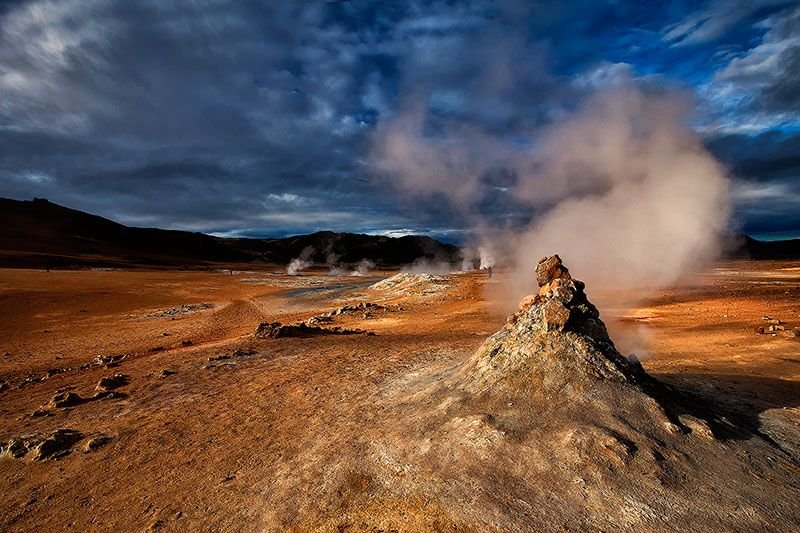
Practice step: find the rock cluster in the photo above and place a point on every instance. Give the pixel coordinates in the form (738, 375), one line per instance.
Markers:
(275, 330)
(58, 444)
(562, 302)
(774, 326)
(365, 309)
(116, 381)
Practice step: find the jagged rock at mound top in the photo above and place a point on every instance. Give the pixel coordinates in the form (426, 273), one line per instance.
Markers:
(554, 342)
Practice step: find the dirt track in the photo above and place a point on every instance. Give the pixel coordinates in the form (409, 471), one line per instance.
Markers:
(205, 447)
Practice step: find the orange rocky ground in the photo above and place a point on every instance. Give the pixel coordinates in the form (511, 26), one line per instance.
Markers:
(208, 429)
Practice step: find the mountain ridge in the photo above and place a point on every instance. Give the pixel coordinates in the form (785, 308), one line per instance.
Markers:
(42, 234)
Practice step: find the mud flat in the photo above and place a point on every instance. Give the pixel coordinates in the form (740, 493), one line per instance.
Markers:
(214, 428)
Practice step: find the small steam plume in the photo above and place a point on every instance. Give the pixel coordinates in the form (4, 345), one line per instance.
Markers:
(469, 258)
(362, 268)
(331, 259)
(481, 257)
(423, 265)
(300, 263)
(486, 256)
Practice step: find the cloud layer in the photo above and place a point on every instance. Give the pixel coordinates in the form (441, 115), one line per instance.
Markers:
(297, 116)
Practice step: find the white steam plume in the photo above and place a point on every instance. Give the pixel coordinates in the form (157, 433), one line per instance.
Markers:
(640, 201)
(300, 263)
(362, 268)
(623, 189)
(487, 257)
(332, 259)
(423, 265)
(469, 258)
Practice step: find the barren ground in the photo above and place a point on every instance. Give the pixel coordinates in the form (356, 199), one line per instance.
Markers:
(209, 446)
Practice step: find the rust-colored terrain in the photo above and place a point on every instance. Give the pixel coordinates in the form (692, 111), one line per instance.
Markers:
(208, 427)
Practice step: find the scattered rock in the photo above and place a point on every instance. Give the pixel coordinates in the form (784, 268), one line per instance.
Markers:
(697, 426)
(219, 357)
(365, 309)
(361, 307)
(113, 382)
(319, 319)
(107, 395)
(18, 447)
(165, 373)
(31, 379)
(53, 371)
(66, 399)
(179, 310)
(187, 342)
(3, 386)
(274, 330)
(774, 327)
(95, 443)
(109, 361)
(57, 445)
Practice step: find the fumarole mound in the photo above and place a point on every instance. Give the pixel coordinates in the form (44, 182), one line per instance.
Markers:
(546, 427)
(554, 347)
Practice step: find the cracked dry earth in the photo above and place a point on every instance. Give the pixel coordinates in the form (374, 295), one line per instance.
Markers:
(427, 425)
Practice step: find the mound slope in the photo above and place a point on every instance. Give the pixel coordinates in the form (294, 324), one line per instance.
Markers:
(545, 427)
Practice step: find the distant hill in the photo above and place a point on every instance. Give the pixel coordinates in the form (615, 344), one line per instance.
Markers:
(741, 246)
(331, 247)
(39, 233)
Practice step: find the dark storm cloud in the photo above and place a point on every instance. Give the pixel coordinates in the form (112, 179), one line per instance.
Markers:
(766, 180)
(260, 118)
(180, 107)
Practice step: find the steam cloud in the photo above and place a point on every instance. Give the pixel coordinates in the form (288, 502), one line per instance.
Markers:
(622, 188)
(640, 202)
(482, 257)
(300, 263)
(331, 259)
(362, 268)
(486, 255)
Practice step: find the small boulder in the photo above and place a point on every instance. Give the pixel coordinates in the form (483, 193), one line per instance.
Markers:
(18, 447)
(58, 444)
(549, 270)
(112, 382)
(96, 443)
(66, 399)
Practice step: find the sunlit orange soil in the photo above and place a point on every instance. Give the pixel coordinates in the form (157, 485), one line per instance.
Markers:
(200, 448)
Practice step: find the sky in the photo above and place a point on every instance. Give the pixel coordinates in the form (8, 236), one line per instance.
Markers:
(271, 118)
